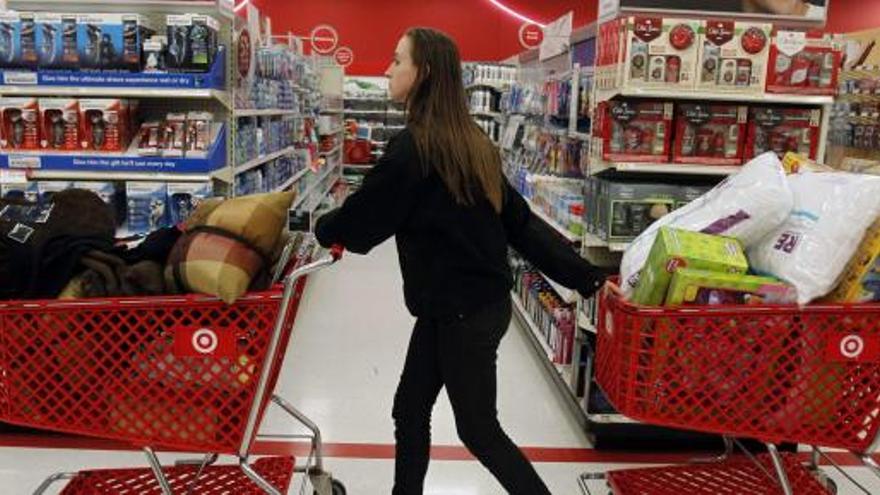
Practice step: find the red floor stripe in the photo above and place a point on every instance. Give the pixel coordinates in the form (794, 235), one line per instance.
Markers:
(386, 451)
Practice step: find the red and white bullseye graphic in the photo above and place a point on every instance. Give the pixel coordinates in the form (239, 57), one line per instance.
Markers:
(344, 56)
(324, 39)
(205, 341)
(531, 35)
(852, 346)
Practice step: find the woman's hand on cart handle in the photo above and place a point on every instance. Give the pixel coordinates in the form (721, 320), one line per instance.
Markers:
(336, 251)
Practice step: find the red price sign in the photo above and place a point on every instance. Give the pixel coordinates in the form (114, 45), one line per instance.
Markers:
(344, 56)
(531, 35)
(324, 39)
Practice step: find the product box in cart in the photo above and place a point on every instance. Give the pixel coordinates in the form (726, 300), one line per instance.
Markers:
(104, 124)
(675, 249)
(660, 52)
(20, 122)
(59, 124)
(691, 287)
(783, 130)
(860, 281)
(803, 63)
(18, 40)
(733, 56)
(636, 131)
(710, 134)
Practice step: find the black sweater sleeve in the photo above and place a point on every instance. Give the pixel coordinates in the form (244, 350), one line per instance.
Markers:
(544, 248)
(374, 212)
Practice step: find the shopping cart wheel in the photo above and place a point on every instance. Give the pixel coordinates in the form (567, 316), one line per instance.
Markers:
(336, 488)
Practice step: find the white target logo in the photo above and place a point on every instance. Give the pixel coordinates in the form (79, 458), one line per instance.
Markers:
(205, 341)
(852, 346)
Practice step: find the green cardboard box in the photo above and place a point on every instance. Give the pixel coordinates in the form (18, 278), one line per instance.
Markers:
(675, 249)
(704, 288)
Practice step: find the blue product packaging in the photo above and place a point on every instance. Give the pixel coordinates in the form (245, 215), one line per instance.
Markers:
(18, 40)
(147, 206)
(56, 41)
(47, 189)
(184, 198)
(25, 190)
(105, 190)
(111, 41)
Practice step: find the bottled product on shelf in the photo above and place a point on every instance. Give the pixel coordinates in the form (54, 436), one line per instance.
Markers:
(491, 75)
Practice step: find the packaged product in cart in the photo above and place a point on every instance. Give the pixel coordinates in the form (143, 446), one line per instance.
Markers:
(861, 279)
(104, 124)
(184, 198)
(20, 120)
(709, 134)
(636, 131)
(691, 287)
(675, 249)
(59, 124)
(147, 206)
(661, 52)
(782, 130)
(803, 63)
(733, 56)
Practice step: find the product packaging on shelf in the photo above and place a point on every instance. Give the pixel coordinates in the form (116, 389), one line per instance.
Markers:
(692, 287)
(146, 205)
(192, 42)
(636, 131)
(674, 249)
(18, 40)
(175, 135)
(661, 52)
(47, 189)
(733, 56)
(783, 130)
(111, 41)
(151, 138)
(199, 133)
(56, 41)
(804, 63)
(710, 134)
(610, 49)
(624, 210)
(105, 190)
(860, 282)
(59, 124)
(20, 190)
(184, 198)
(20, 120)
(104, 124)
(154, 54)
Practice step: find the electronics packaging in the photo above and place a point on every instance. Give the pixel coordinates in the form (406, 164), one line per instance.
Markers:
(104, 124)
(710, 134)
(175, 135)
(733, 56)
(147, 206)
(661, 52)
(199, 133)
(25, 190)
(20, 121)
(59, 124)
(18, 40)
(782, 130)
(184, 198)
(47, 189)
(192, 42)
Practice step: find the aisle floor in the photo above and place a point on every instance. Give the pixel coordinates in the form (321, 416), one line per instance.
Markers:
(342, 368)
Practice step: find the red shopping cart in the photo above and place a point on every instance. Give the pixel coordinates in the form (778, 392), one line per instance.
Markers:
(189, 374)
(772, 373)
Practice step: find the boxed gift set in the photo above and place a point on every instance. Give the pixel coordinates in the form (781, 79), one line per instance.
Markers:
(660, 52)
(804, 63)
(59, 124)
(711, 134)
(636, 131)
(733, 56)
(782, 130)
(20, 121)
(192, 42)
(104, 124)
(692, 287)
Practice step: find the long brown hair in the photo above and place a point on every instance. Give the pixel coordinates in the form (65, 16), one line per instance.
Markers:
(445, 134)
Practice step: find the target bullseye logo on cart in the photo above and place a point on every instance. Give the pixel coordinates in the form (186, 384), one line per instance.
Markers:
(204, 341)
(850, 347)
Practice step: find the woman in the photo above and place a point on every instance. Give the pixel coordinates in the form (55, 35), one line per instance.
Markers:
(440, 190)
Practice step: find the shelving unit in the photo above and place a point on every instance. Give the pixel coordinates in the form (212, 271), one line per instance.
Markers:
(266, 113)
(552, 223)
(597, 167)
(260, 160)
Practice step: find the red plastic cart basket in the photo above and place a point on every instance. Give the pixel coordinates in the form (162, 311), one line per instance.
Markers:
(773, 373)
(191, 373)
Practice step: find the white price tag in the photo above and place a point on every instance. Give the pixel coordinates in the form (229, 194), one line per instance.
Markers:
(13, 176)
(25, 161)
(20, 78)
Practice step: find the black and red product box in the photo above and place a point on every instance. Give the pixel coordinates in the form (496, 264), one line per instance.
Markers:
(783, 130)
(636, 131)
(709, 134)
(803, 63)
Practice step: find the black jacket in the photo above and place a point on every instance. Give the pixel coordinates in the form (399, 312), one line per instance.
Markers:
(453, 257)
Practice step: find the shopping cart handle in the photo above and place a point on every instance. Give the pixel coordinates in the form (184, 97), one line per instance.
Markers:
(336, 251)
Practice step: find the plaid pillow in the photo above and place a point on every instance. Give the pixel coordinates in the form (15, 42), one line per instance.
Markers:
(228, 250)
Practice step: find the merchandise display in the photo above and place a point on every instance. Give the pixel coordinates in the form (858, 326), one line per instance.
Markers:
(674, 249)
(57, 36)
(192, 42)
(637, 131)
(806, 63)
(104, 124)
(709, 134)
(660, 52)
(733, 56)
(690, 287)
(147, 206)
(20, 122)
(107, 41)
(493, 75)
(18, 45)
(782, 130)
(59, 124)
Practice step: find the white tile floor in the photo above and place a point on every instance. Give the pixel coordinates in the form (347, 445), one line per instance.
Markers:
(341, 370)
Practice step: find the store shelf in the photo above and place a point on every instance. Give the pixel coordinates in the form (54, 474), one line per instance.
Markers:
(568, 296)
(314, 185)
(485, 85)
(374, 112)
(222, 7)
(289, 182)
(558, 373)
(592, 241)
(265, 113)
(333, 111)
(316, 200)
(677, 94)
(359, 167)
(209, 85)
(552, 223)
(256, 162)
(664, 168)
(112, 176)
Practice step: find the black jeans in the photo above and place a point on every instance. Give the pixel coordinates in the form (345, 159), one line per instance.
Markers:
(460, 354)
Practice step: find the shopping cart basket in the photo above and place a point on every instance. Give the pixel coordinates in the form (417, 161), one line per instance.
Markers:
(773, 373)
(189, 374)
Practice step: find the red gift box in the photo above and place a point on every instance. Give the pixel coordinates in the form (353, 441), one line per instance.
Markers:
(803, 63)
(20, 121)
(636, 131)
(710, 134)
(781, 130)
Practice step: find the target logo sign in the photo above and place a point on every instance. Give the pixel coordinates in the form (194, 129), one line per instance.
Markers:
(344, 56)
(531, 36)
(324, 39)
(850, 347)
(203, 342)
